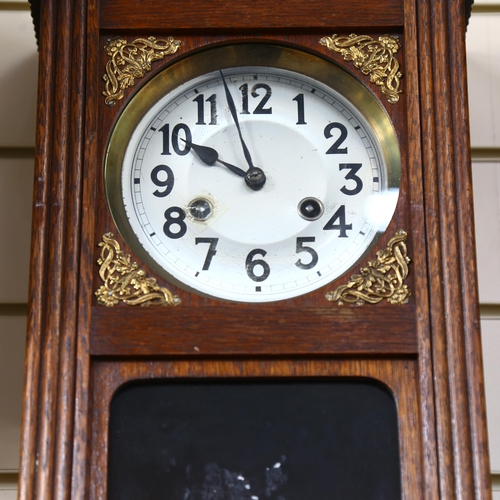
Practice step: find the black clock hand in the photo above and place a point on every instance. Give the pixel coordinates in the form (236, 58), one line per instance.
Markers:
(255, 177)
(234, 114)
(209, 156)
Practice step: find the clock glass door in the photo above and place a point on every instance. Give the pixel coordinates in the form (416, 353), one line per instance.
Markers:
(248, 440)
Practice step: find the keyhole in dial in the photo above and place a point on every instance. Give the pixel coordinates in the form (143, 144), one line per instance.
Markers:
(200, 209)
(310, 208)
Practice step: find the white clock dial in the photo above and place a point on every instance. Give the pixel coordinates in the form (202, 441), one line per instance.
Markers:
(255, 184)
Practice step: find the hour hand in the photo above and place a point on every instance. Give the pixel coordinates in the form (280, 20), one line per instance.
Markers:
(210, 157)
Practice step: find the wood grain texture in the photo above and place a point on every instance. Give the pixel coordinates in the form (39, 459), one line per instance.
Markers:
(424, 333)
(79, 485)
(237, 330)
(399, 376)
(473, 362)
(36, 298)
(79, 353)
(450, 262)
(239, 14)
(46, 455)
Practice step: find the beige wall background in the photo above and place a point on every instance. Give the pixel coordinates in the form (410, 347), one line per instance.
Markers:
(18, 82)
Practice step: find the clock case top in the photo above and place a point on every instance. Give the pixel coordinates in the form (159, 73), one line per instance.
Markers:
(240, 13)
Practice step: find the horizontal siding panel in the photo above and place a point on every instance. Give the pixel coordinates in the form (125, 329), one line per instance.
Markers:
(483, 66)
(491, 349)
(12, 345)
(18, 79)
(16, 188)
(486, 180)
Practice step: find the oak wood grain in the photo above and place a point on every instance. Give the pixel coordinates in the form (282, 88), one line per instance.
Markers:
(418, 208)
(218, 14)
(450, 260)
(46, 453)
(428, 351)
(473, 362)
(236, 330)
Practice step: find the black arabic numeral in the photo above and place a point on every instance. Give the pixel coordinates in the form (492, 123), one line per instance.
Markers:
(167, 183)
(174, 226)
(251, 264)
(211, 250)
(335, 149)
(342, 226)
(351, 176)
(302, 248)
(244, 99)
(213, 109)
(301, 119)
(200, 100)
(181, 151)
(260, 109)
(165, 130)
(175, 139)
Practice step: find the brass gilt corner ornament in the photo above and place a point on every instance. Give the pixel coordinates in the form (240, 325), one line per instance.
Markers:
(372, 57)
(382, 279)
(125, 282)
(131, 60)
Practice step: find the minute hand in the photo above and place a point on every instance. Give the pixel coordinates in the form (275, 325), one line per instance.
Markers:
(255, 177)
(234, 114)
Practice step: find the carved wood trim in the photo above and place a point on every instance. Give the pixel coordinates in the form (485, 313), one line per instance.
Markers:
(49, 404)
(462, 454)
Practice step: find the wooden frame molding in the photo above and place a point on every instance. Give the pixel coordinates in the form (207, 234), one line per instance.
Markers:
(455, 343)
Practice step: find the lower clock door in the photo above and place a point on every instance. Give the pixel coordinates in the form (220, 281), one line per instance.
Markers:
(238, 430)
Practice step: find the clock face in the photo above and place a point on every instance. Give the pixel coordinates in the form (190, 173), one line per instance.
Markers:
(254, 182)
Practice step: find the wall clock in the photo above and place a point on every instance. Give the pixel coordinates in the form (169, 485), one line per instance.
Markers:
(253, 172)
(269, 170)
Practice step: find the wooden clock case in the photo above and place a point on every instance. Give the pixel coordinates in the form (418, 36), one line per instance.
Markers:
(427, 351)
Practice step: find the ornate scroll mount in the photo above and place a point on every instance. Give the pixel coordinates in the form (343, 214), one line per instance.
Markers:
(132, 60)
(125, 282)
(382, 279)
(372, 57)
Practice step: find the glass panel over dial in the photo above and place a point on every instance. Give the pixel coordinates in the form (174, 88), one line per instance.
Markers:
(254, 183)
